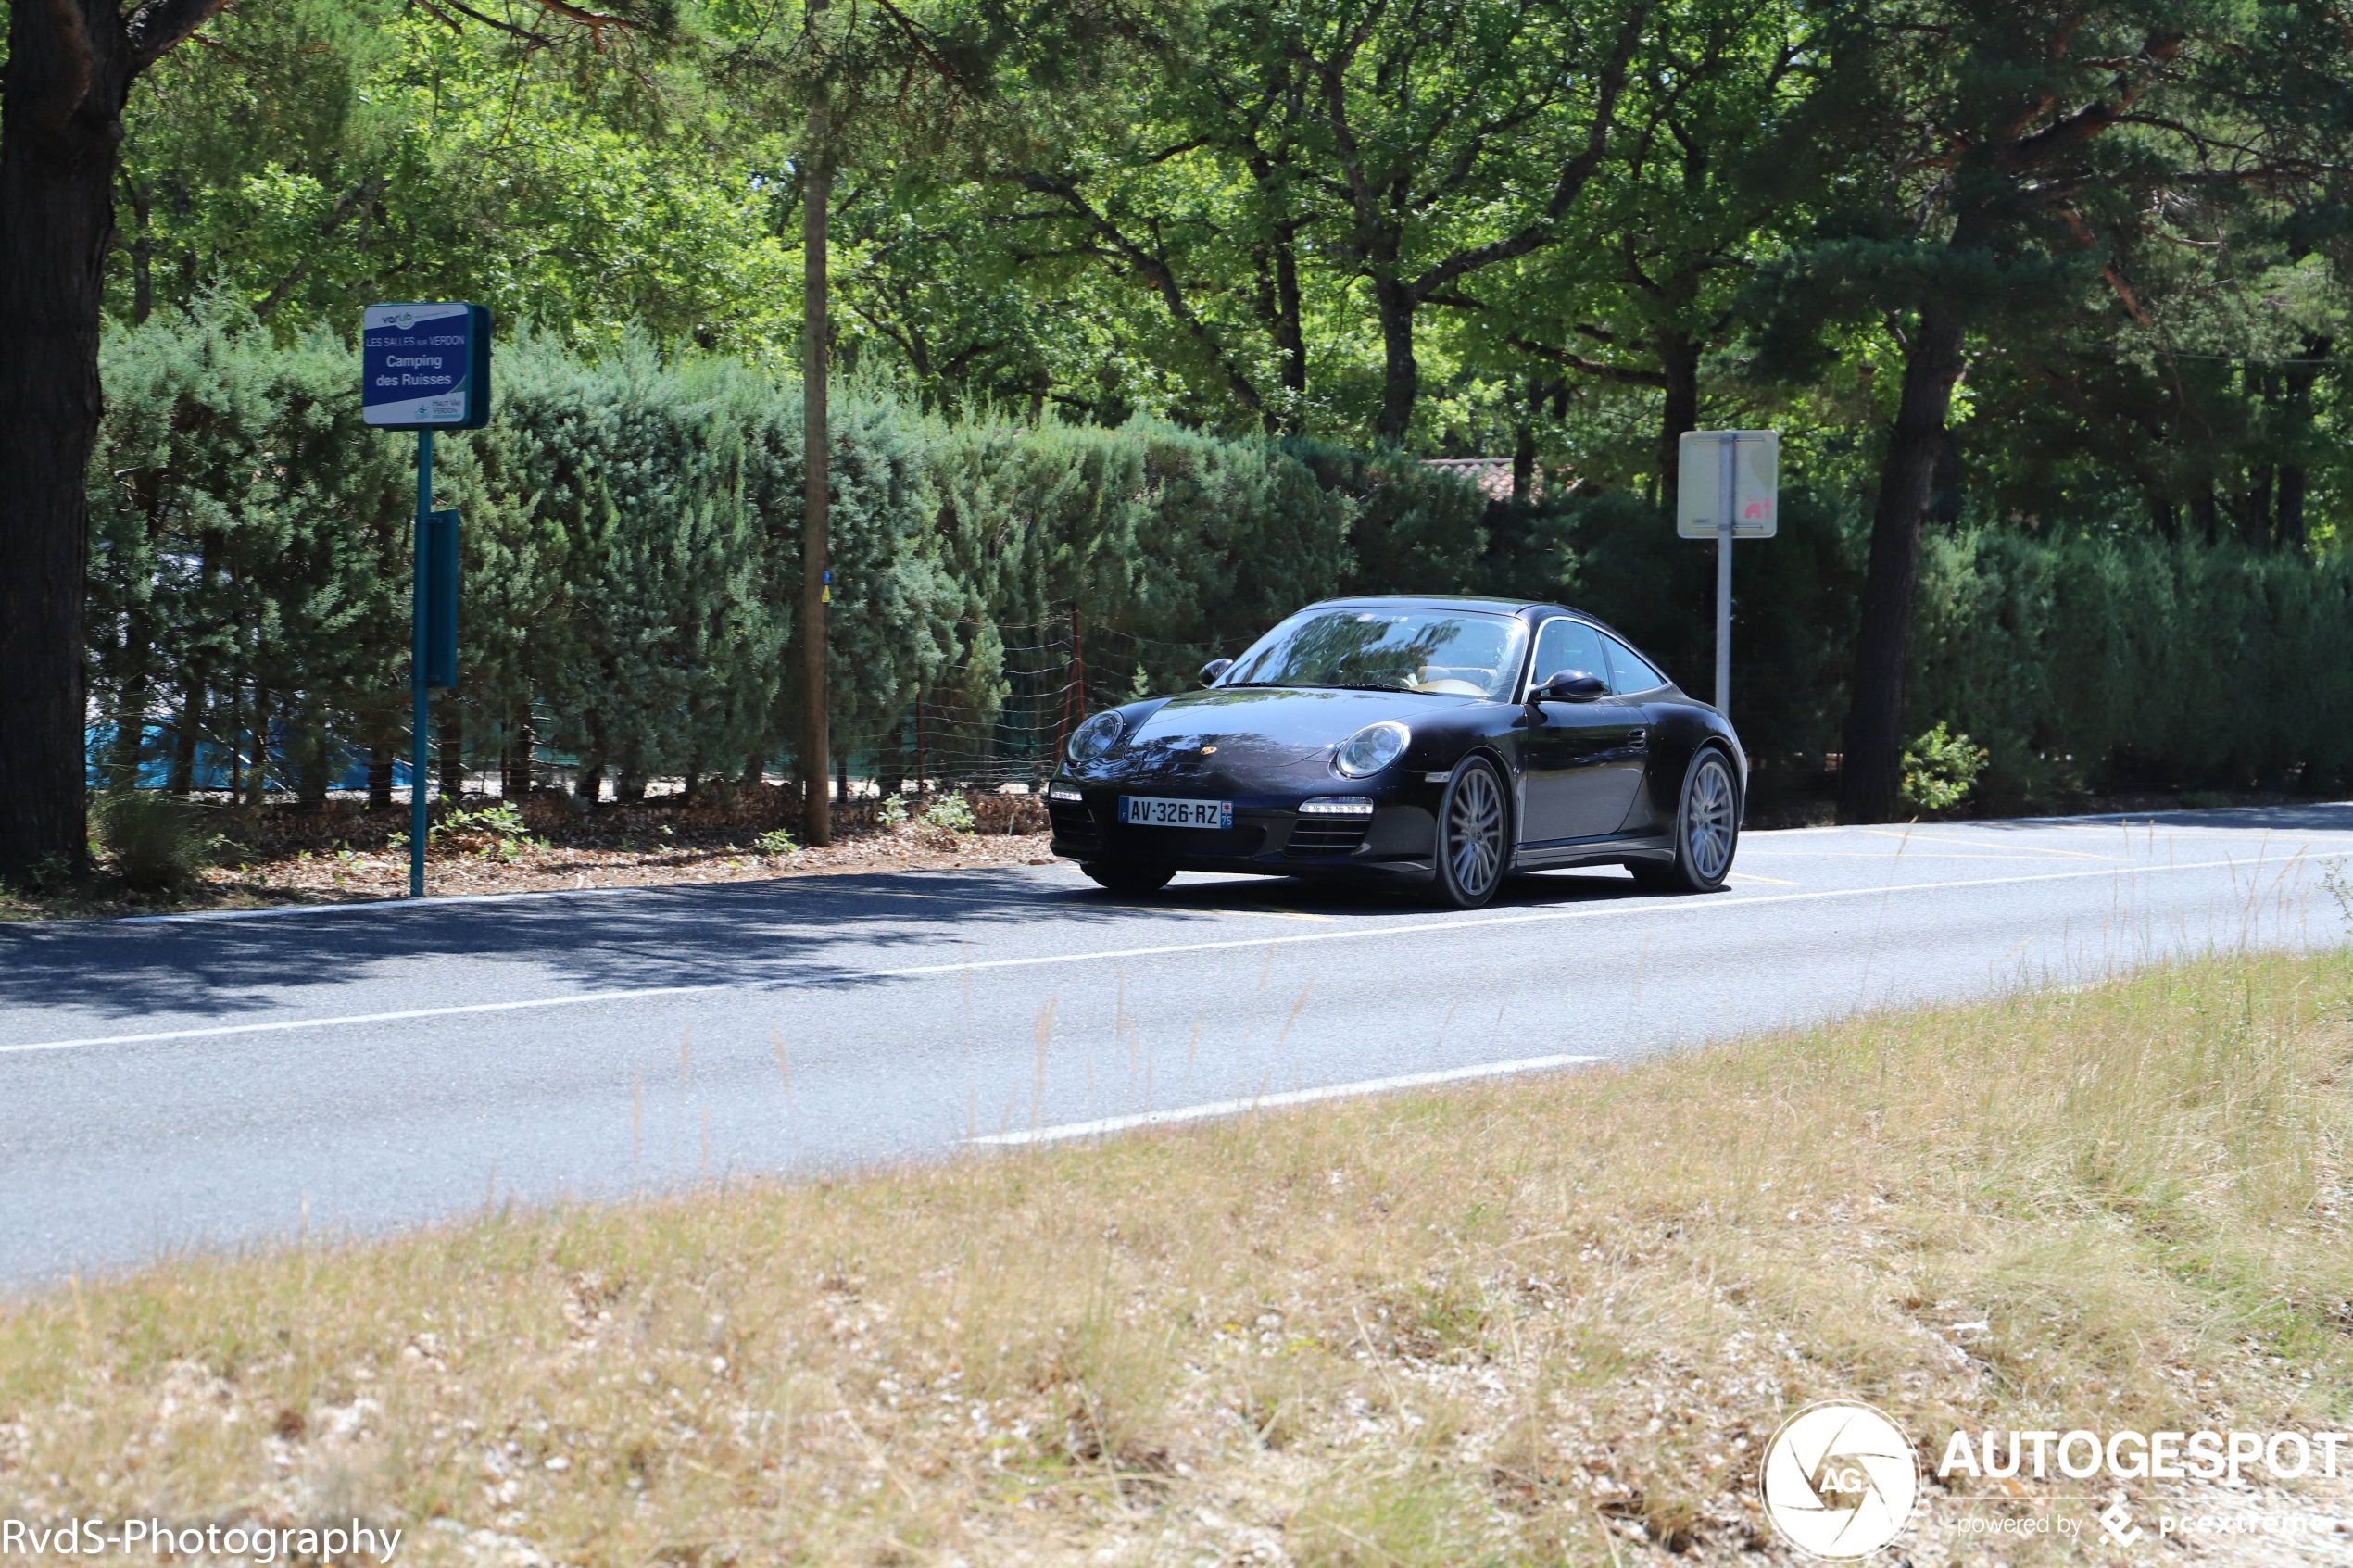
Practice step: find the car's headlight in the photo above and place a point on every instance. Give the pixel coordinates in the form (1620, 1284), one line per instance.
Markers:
(1370, 749)
(1096, 737)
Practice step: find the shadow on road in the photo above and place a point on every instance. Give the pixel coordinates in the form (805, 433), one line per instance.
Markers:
(733, 933)
(747, 933)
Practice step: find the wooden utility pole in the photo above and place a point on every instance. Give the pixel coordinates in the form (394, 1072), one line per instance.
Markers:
(816, 204)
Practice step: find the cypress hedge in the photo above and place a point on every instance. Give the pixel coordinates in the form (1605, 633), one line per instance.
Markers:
(631, 528)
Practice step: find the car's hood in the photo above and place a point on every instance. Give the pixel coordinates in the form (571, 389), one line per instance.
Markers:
(1271, 726)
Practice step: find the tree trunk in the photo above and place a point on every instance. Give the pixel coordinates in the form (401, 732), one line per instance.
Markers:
(1869, 778)
(257, 785)
(142, 248)
(514, 783)
(2256, 515)
(1678, 362)
(70, 65)
(68, 74)
(379, 778)
(453, 756)
(2288, 527)
(2204, 515)
(1290, 332)
(1401, 375)
(131, 699)
(312, 751)
(2288, 530)
(893, 763)
(1279, 311)
(185, 730)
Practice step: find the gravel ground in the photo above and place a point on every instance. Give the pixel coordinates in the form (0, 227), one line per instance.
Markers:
(347, 854)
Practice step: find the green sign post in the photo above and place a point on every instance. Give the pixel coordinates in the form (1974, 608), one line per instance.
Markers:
(426, 367)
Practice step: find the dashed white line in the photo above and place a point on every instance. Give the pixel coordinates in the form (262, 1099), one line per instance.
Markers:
(1290, 1097)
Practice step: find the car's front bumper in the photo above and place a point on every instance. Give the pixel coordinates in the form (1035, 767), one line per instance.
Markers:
(1270, 834)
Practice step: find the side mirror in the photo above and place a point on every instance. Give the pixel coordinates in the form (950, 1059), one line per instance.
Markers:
(1572, 685)
(1215, 668)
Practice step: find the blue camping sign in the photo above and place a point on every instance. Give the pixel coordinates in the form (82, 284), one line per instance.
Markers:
(425, 366)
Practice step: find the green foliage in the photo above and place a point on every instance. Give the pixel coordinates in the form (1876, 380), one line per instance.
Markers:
(494, 830)
(632, 527)
(2084, 663)
(248, 540)
(153, 841)
(1940, 768)
(948, 814)
(776, 842)
(302, 154)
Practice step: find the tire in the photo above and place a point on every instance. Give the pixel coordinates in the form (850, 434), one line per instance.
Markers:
(1707, 829)
(1128, 879)
(1473, 835)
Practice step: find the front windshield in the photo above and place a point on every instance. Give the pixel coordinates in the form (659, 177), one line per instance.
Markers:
(1460, 653)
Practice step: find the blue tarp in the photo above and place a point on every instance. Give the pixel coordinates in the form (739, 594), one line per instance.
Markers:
(157, 746)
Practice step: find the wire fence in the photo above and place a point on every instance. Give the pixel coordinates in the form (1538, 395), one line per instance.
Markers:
(1000, 717)
(1004, 716)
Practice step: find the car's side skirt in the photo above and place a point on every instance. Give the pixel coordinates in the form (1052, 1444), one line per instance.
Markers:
(1591, 851)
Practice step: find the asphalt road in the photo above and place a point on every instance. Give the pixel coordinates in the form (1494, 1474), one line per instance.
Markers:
(208, 1081)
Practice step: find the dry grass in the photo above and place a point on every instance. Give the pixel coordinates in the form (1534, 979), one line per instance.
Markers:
(345, 854)
(1540, 1322)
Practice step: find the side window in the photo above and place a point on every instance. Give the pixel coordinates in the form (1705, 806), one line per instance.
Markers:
(1567, 644)
(1629, 671)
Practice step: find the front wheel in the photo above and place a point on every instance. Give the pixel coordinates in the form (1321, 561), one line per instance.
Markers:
(1128, 879)
(1707, 827)
(1473, 844)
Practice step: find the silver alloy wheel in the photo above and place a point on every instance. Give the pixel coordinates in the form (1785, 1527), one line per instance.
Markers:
(1475, 831)
(1710, 819)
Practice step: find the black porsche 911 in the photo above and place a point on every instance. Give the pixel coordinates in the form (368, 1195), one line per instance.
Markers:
(1449, 740)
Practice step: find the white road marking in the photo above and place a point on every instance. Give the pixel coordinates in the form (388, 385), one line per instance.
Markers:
(1614, 909)
(1983, 844)
(1291, 1097)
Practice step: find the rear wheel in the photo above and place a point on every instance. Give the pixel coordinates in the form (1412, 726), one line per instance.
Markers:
(1474, 842)
(1128, 879)
(1707, 827)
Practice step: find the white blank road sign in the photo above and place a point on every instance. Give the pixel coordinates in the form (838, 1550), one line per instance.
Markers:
(1756, 497)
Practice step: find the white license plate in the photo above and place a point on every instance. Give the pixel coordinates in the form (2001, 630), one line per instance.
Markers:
(1161, 811)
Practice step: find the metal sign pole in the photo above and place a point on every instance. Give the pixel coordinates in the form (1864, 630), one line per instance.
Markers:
(1726, 445)
(418, 592)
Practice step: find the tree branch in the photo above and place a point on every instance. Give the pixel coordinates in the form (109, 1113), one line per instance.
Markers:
(156, 28)
(537, 40)
(1574, 175)
(1623, 374)
(1116, 244)
(595, 21)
